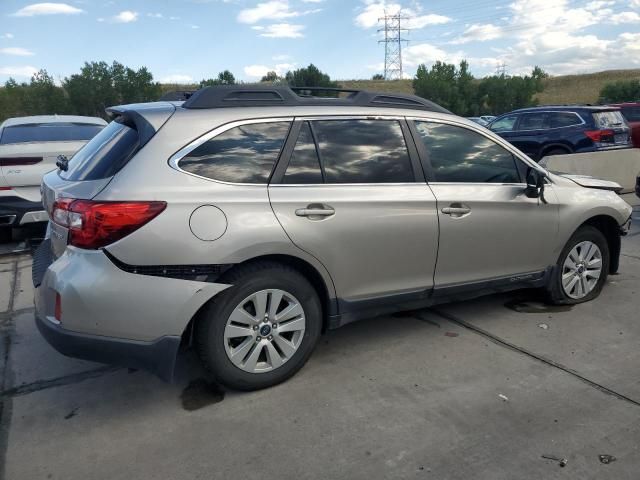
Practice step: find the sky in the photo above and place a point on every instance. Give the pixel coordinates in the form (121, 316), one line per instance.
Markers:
(183, 41)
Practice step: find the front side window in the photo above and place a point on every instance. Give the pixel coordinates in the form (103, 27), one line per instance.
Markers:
(363, 151)
(504, 124)
(533, 121)
(461, 155)
(243, 154)
(49, 132)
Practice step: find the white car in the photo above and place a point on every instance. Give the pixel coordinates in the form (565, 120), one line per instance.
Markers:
(29, 148)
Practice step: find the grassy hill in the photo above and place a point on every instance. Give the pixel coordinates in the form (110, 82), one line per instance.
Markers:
(583, 88)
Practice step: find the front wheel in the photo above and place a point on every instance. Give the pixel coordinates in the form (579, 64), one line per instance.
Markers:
(582, 268)
(262, 330)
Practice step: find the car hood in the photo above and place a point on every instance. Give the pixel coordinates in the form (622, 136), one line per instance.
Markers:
(592, 182)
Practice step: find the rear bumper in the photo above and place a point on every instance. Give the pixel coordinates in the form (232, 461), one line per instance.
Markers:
(112, 316)
(16, 211)
(157, 357)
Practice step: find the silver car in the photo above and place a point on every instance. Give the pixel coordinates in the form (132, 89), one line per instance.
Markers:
(248, 220)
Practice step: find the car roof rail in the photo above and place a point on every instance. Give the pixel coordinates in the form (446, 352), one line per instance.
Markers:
(176, 95)
(220, 96)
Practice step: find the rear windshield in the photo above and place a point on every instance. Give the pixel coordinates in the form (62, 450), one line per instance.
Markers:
(609, 119)
(49, 132)
(104, 155)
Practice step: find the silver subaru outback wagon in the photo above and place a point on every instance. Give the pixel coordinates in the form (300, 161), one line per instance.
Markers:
(246, 221)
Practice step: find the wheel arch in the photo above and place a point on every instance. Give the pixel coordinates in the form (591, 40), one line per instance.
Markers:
(323, 287)
(608, 226)
(555, 146)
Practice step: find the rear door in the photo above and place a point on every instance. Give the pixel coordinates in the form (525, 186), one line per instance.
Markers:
(352, 194)
(489, 229)
(532, 133)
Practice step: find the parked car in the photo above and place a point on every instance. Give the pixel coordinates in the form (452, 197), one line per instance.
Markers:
(631, 112)
(29, 148)
(557, 130)
(479, 121)
(248, 220)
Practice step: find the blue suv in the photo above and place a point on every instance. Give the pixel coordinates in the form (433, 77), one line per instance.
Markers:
(556, 130)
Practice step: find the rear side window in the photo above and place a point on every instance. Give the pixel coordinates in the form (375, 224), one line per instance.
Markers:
(609, 119)
(632, 114)
(533, 121)
(563, 119)
(243, 154)
(363, 151)
(304, 165)
(49, 132)
(461, 155)
(504, 124)
(104, 155)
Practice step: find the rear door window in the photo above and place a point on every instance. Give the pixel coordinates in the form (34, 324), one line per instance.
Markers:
(363, 151)
(533, 121)
(461, 155)
(243, 154)
(563, 119)
(304, 165)
(49, 132)
(610, 119)
(104, 155)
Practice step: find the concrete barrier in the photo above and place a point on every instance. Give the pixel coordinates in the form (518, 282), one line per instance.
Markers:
(620, 166)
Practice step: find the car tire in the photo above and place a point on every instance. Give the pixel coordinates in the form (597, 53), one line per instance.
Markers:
(5, 235)
(217, 323)
(555, 151)
(580, 246)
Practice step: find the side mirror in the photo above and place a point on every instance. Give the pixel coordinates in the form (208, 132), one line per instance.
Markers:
(535, 184)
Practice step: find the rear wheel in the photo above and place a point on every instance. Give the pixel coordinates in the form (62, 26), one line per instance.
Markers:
(262, 330)
(582, 268)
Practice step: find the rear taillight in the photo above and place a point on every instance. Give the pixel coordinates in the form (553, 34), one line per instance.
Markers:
(601, 136)
(5, 188)
(94, 224)
(57, 313)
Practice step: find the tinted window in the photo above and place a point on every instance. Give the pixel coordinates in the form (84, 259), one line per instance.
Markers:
(304, 166)
(461, 155)
(49, 132)
(632, 114)
(104, 154)
(563, 119)
(244, 154)
(363, 151)
(504, 124)
(609, 119)
(533, 121)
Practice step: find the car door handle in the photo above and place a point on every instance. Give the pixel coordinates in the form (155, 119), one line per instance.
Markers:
(315, 211)
(456, 210)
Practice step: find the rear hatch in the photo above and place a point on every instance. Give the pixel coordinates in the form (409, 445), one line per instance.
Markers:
(612, 129)
(94, 165)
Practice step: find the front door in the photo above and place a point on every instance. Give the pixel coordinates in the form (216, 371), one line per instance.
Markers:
(351, 195)
(489, 229)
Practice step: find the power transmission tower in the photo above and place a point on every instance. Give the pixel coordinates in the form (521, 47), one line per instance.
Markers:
(393, 44)
(501, 69)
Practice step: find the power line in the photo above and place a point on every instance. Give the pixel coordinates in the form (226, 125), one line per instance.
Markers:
(393, 44)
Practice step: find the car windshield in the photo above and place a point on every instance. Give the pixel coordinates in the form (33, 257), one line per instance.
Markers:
(49, 132)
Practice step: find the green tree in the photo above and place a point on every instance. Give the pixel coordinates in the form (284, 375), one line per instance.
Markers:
(271, 77)
(377, 76)
(100, 85)
(310, 76)
(446, 85)
(223, 78)
(43, 96)
(499, 94)
(621, 91)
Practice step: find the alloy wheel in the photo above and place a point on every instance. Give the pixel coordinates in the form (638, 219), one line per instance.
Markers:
(581, 270)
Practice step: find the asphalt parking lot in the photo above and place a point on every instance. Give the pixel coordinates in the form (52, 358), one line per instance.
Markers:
(480, 389)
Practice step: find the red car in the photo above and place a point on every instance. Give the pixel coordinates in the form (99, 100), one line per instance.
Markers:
(631, 112)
